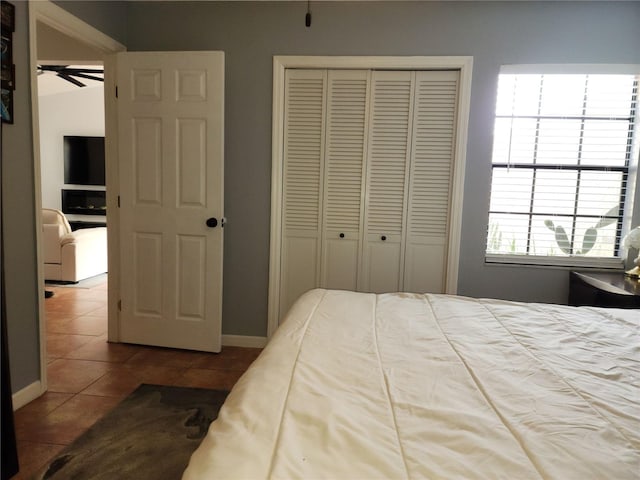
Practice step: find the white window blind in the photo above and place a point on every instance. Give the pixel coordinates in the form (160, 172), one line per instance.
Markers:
(563, 159)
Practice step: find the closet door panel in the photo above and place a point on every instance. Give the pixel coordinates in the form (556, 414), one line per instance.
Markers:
(383, 262)
(299, 267)
(345, 141)
(305, 92)
(424, 266)
(387, 180)
(432, 147)
(341, 261)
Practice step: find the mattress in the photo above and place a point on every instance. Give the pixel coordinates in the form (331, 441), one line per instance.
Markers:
(364, 386)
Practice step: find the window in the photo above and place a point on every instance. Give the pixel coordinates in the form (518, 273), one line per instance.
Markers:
(563, 168)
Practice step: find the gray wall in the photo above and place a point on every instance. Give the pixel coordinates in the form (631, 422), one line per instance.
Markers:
(18, 220)
(108, 16)
(494, 33)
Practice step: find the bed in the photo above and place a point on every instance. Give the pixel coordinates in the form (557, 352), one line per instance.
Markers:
(364, 386)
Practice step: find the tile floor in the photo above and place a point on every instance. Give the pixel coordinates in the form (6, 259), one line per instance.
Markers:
(87, 376)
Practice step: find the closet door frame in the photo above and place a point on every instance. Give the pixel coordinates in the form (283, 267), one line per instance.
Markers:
(464, 64)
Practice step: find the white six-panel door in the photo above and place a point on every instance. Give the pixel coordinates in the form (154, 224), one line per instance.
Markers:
(170, 129)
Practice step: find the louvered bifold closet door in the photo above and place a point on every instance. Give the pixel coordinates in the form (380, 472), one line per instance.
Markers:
(346, 128)
(432, 153)
(387, 180)
(305, 93)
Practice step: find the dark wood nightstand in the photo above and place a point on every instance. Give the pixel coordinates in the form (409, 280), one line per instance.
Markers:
(603, 289)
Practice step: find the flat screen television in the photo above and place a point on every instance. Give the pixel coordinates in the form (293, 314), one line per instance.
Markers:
(84, 160)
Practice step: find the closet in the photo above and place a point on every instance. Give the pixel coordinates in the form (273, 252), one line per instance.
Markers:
(368, 158)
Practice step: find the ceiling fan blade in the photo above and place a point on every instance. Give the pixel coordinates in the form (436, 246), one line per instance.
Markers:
(68, 74)
(84, 70)
(90, 77)
(70, 79)
(52, 68)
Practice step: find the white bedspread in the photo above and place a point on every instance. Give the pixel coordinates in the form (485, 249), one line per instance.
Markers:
(363, 386)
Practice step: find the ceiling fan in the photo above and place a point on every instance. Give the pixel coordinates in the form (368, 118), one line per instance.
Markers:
(71, 74)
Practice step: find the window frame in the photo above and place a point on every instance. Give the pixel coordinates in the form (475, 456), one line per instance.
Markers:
(628, 180)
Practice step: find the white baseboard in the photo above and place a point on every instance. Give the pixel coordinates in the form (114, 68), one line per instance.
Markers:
(243, 341)
(27, 394)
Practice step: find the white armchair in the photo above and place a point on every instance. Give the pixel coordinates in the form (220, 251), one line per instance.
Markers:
(71, 256)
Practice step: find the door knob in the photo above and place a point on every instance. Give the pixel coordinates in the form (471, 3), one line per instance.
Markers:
(212, 222)
(383, 238)
(342, 235)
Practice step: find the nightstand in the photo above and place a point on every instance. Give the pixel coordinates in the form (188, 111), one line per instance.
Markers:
(603, 289)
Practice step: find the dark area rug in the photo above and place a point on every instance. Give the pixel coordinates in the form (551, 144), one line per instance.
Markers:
(151, 434)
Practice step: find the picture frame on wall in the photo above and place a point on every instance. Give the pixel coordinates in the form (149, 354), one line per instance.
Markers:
(7, 68)
(6, 108)
(7, 73)
(8, 16)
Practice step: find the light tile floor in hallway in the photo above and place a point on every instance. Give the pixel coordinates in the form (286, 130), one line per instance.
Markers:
(87, 376)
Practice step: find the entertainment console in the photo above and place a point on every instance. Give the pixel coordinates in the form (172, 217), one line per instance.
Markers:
(84, 202)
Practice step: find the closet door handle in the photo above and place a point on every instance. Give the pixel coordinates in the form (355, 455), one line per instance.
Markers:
(383, 238)
(342, 235)
(212, 222)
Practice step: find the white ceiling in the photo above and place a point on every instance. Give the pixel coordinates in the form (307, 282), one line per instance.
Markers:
(50, 84)
(56, 48)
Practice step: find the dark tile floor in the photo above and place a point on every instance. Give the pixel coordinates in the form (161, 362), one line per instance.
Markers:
(87, 376)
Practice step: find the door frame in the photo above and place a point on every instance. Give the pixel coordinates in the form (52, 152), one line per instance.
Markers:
(59, 19)
(464, 64)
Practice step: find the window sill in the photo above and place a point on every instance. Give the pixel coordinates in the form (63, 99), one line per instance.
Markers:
(556, 262)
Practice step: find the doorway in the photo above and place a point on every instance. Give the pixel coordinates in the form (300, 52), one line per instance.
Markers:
(80, 40)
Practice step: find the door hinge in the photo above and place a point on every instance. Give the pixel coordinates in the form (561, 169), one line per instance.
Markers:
(120, 305)
(118, 201)
(116, 91)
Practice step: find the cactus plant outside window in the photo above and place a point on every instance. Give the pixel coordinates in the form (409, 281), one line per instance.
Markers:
(590, 235)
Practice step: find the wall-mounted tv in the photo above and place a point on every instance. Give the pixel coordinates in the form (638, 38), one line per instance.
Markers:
(84, 160)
